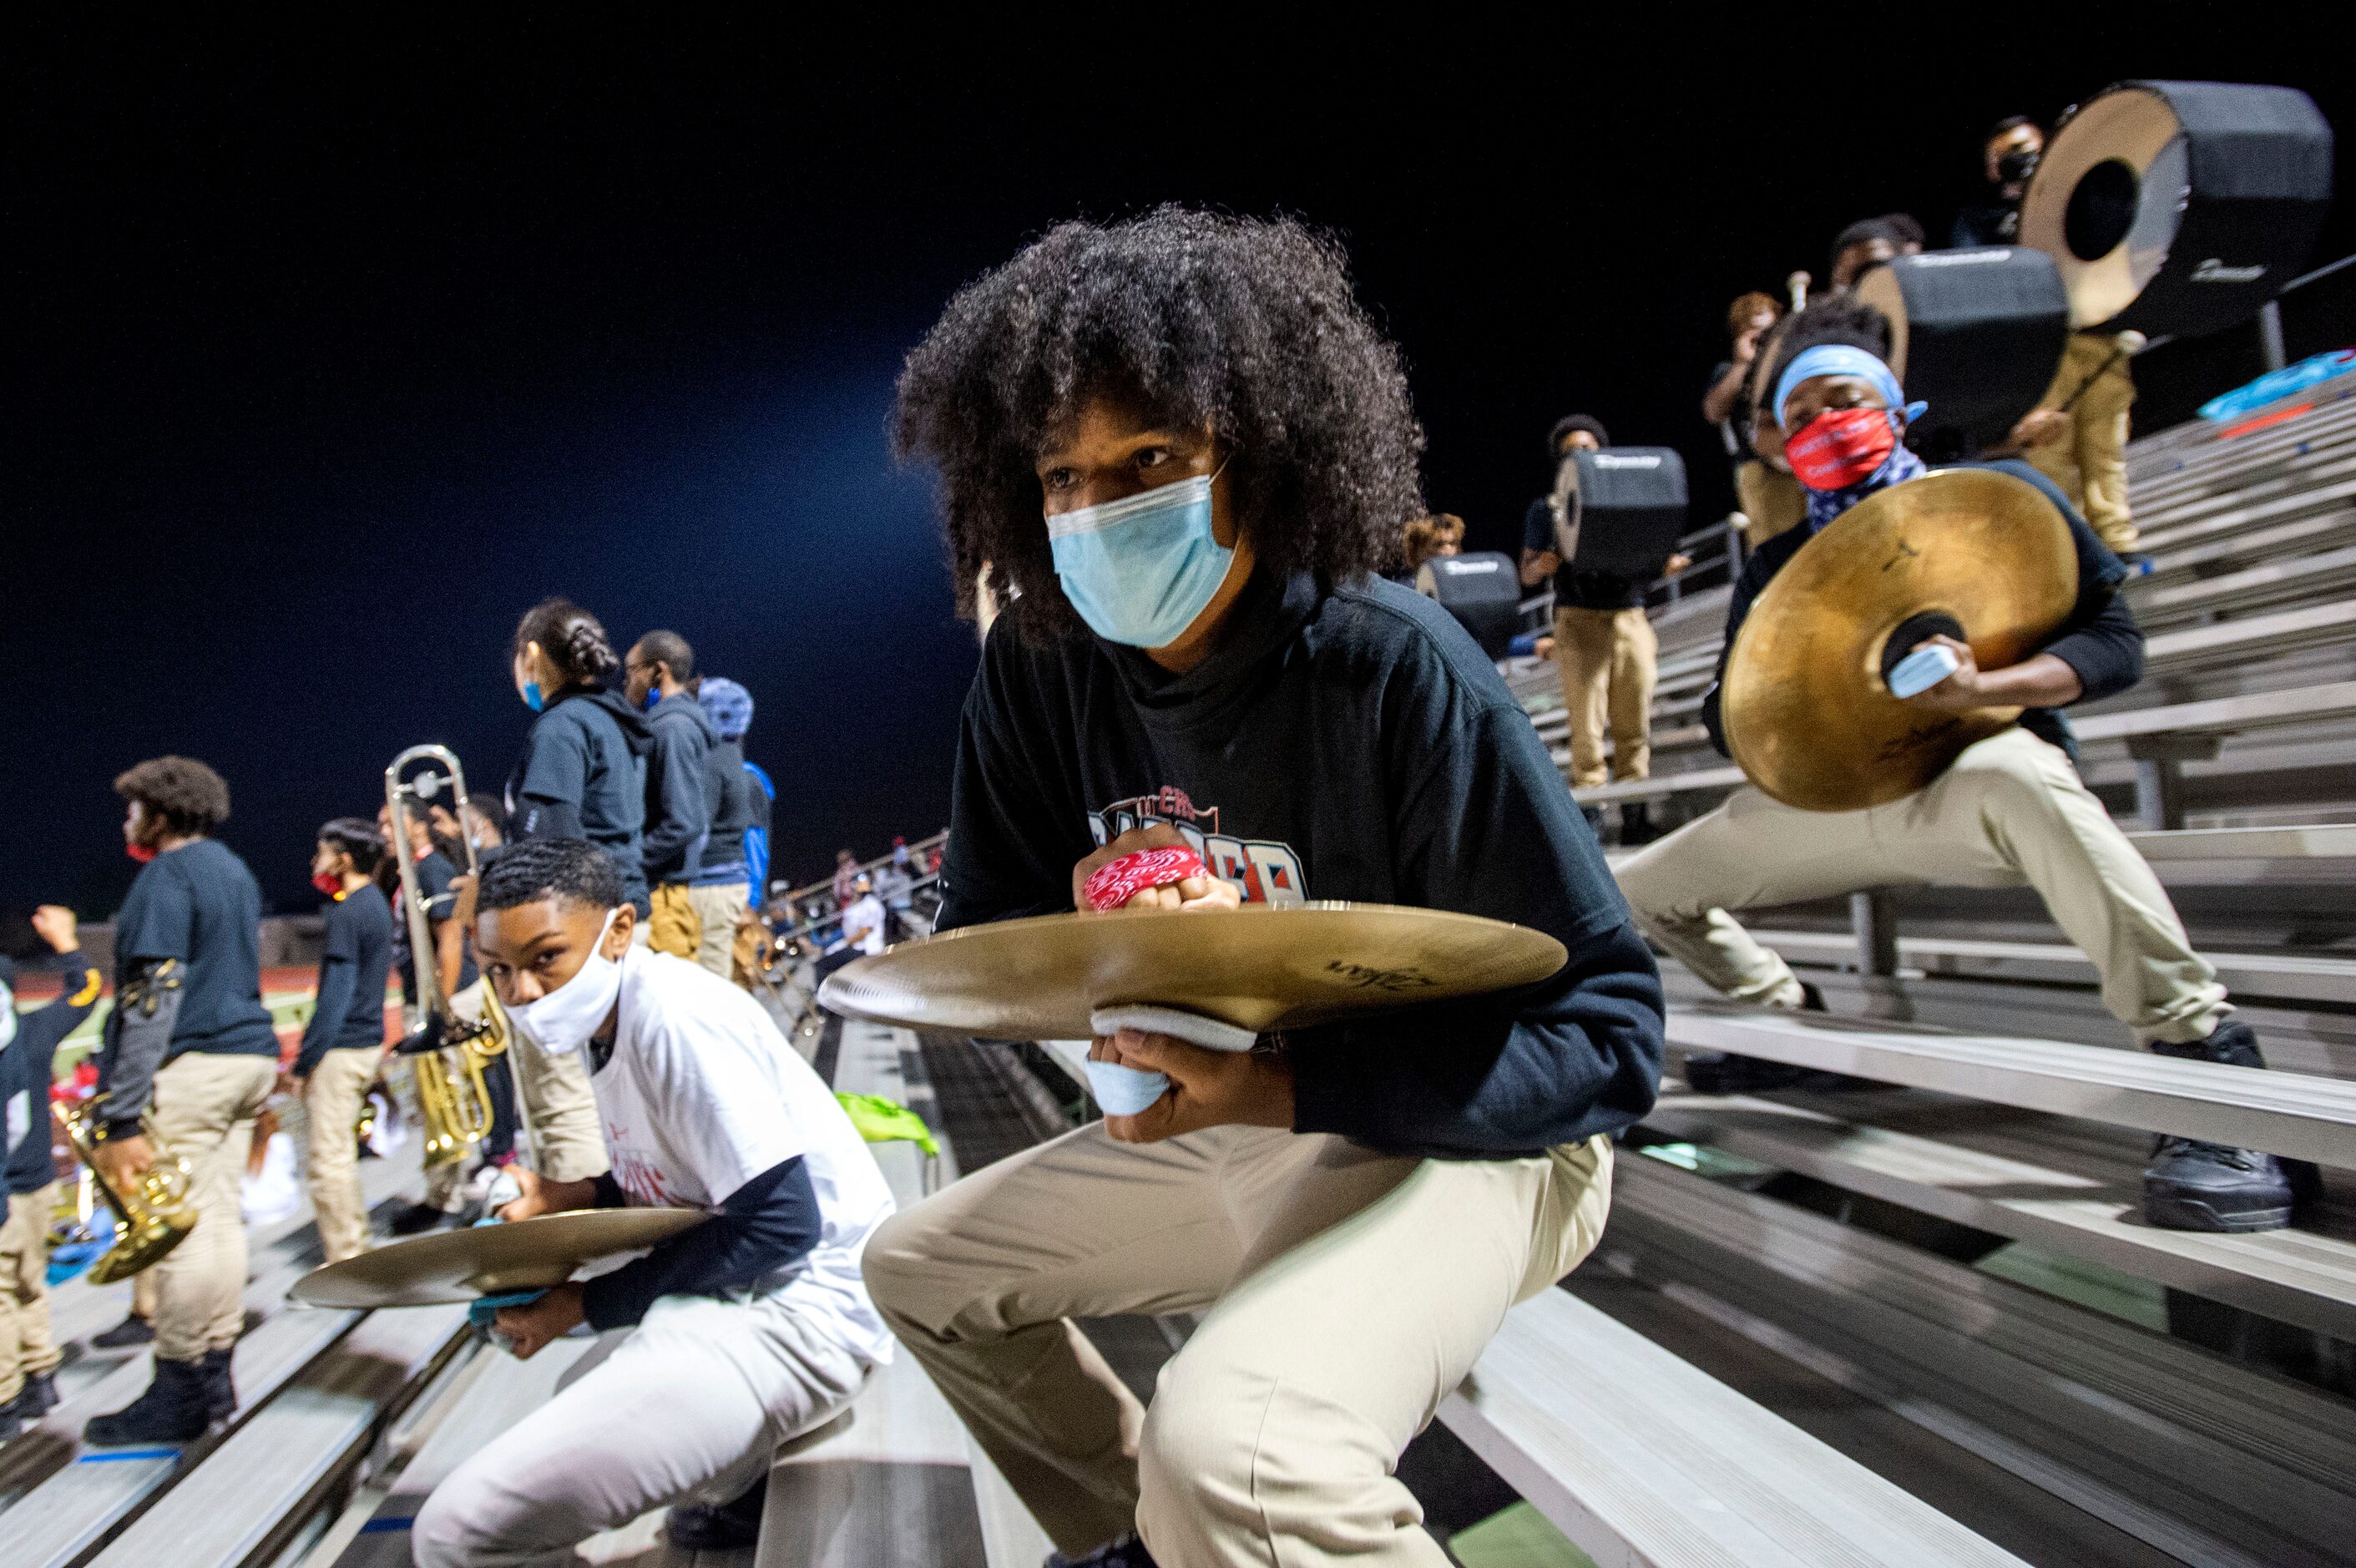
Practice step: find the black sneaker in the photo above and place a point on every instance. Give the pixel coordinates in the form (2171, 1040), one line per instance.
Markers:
(719, 1527)
(132, 1330)
(172, 1411)
(221, 1392)
(37, 1399)
(2194, 1184)
(418, 1219)
(1127, 1553)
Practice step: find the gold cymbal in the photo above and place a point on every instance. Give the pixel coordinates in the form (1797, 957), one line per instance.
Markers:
(1259, 968)
(488, 1260)
(1809, 716)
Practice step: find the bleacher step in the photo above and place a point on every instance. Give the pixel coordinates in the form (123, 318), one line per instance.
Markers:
(2283, 975)
(2028, 1177)
(2288, 1114)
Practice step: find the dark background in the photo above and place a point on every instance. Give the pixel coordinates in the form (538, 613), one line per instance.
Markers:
(330, 355)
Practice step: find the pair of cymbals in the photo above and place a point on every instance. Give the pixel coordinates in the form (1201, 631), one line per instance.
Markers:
(488, 1260)
(1980, 556)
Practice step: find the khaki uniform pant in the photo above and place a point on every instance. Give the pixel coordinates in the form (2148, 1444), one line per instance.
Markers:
(673, 928)
(2010, 811)
(1773, 500)
(1609, 660)
(2090, 464)
(26, 1347)
(1348, 1292)
(204, 1111)
(331, 1108)
(560, 1111)
(716, 908)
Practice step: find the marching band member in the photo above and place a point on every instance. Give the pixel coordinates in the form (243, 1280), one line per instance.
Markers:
(682, 790)
(189, 1045)
(28, 1048)
(582, 772)
(344, 1042)
(733, 1336)
(2010, 810)
(1186, 448)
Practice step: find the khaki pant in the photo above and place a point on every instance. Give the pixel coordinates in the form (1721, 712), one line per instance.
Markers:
(673, 928)
(1348, 1292)
(560, 1111)
(716, 908)
(26, 1347)
(2090, 464)
(204, 1111)
(2010, 811)
(1609, 660)
(331, 1108)
(1771, 501)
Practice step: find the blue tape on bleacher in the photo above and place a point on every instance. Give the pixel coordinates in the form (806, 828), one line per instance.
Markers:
(388, 1526)
(115, 1455)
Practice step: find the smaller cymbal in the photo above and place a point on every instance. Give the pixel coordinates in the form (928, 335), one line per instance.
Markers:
(1258, 967)
(488, 1260)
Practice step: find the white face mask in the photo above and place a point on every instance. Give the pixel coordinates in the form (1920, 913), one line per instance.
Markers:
(561, 1022)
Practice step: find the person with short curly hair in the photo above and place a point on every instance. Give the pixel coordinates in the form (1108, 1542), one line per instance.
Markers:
(1184, 442)
(190, 1047)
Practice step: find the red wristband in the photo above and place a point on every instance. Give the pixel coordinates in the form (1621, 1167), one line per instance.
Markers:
(1116, 882)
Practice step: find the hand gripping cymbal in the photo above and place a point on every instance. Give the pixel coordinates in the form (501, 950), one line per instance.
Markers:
(488, 1260)
(1257, 968)
(1979, 556)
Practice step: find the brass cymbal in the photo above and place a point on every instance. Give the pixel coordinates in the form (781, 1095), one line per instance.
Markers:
(1809, 716)
(1259, 967)
(488, 1260)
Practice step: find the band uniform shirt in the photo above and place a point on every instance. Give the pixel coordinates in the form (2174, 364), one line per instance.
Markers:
(681, 793)
(731, 790)
(355, 962)
(1576, 590)
(198, 903)
(702, 1094)
(2099, 638)
(435, 873)
(583, 775)
(28, 1069)
(1348, 742)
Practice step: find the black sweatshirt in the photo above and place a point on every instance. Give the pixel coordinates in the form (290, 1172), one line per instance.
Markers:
(769, 1223)
(680, 795)
(1350, 742)
(28, 1068)
(582, 775)
(724, 852)
(355, 959)
(2100, 640)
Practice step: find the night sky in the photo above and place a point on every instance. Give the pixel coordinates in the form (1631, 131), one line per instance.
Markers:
(330, 355)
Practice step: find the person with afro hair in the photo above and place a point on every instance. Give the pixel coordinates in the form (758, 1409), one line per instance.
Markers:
(190, 1049)
(2010, 811)
(1183, 443)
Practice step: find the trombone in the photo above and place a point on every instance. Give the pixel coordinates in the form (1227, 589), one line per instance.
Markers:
(453, 1100)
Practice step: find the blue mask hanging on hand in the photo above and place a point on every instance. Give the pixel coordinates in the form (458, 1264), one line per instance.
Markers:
(1141, 569)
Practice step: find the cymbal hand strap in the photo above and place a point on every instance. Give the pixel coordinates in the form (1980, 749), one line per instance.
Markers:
(1116, 882)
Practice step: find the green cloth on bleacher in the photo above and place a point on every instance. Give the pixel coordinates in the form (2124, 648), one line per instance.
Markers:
(882, 1121)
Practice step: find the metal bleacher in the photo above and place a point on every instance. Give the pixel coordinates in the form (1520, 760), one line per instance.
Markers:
(1912, 1321)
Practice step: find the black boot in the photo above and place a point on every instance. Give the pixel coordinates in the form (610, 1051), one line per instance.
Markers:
(132, 1330)
(2193, 1185)
(38, 1397)
(11, 1424)
(1636, 825)
(221, 1394)
(1127, 1553)
(172, 1411)
(719, 1527)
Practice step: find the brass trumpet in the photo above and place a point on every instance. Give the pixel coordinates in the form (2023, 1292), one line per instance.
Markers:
(153, 1217)
(451, 1051)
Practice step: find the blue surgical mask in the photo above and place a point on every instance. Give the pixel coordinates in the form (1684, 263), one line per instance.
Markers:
(1141, 569)
(532, 697)
(654, 695)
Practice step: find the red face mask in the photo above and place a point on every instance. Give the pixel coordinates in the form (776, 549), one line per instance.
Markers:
(1840, 446)
(142, 853)
(330, 884)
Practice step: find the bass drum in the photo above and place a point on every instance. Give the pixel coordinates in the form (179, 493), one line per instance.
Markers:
(2180, 206)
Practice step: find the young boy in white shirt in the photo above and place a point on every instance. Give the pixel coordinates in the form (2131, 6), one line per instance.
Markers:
(734, 1336)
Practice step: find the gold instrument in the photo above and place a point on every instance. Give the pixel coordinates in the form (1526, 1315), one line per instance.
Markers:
(453, 1100)
(1257, 968)
(1978, 555)
(153, 1217)
(488, 1260)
